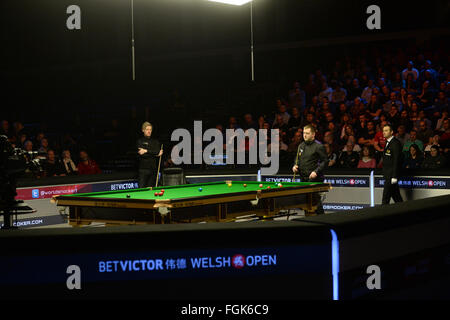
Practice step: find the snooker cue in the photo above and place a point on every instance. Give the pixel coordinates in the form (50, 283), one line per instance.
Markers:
(296, 161)
(157, 175)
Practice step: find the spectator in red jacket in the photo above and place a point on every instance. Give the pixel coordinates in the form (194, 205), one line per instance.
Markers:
(87, 165)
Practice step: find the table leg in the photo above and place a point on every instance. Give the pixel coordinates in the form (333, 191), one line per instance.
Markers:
(157, 218)
(310, 207)
(269, 206)
(75, 217)
(221, 211)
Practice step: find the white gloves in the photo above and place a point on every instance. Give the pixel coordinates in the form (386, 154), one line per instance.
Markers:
(393, 180)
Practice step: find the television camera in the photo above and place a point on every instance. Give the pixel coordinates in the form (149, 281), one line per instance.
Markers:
(13, 163)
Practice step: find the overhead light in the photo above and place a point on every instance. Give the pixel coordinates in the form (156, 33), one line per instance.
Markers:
(233, 2)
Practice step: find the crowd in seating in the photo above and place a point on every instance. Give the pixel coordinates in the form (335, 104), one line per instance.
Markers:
(348, 104)
(53, 161)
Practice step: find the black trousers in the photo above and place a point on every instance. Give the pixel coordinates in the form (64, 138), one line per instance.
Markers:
(316, 197)
(147, 178)
(391, 191)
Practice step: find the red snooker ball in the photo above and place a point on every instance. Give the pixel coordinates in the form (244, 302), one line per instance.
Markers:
(268, 187)
(261, 185)
(156, 194)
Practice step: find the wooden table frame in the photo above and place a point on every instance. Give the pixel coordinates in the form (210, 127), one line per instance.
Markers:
(266, 203)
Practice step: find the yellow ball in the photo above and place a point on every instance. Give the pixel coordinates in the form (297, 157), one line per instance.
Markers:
(229, 184)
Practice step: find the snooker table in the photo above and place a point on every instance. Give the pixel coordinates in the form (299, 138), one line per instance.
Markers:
(222, 201)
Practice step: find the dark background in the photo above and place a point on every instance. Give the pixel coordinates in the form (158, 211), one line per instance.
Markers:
(189, 53)
(186, 44)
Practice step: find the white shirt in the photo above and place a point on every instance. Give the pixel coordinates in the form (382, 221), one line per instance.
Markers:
(413, 71)
(387, 141)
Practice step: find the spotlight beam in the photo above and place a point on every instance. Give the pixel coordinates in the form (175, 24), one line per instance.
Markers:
(233, 2)
(240, 3)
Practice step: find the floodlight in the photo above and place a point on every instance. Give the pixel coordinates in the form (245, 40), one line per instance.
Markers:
(233, 2)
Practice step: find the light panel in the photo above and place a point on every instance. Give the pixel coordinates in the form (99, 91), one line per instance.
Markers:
(233, 2)
(335, 263)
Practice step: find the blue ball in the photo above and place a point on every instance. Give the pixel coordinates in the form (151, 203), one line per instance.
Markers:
(200, 189)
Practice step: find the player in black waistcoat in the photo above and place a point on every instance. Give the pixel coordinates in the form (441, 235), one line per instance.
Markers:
(313, 159)
(392, 162)
(149, 150)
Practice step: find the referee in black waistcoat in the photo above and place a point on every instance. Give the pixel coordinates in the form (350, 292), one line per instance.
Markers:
(312, 160)
(149, 150)
(392, 162)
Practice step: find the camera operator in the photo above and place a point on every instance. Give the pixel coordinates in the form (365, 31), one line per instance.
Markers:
(13, 162)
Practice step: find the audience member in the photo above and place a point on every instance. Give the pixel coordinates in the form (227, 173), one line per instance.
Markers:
(297, 97)
(414, 158)
(367, 92)
(87, 165)
(339, 93)
(366, 136)
(411, 84)
(404, 121)
(296, 140)
(332, 157)
(440, 121)
(283, 113)
(44, 147)
(434, 141)
(295, 121)
(410, 70)
(401, 134)
(412, 140)
(69, 166)
(379, 141)
(28, 146)
(232, 123)
(279, 123)
(325, 92)
(367, 159)
(355, 90)
(444, 137)
(423, 132)
(349, 158)
(435, 160)
(249, 123)
(374, 107)
(363, 95)
(52, 166)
